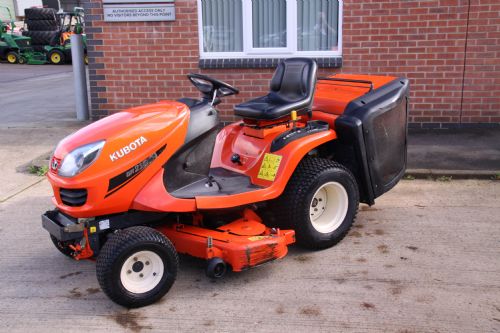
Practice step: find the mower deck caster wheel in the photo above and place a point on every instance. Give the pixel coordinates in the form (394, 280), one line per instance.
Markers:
(216, 268)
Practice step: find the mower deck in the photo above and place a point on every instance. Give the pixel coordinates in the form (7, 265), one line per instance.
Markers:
(241, 244)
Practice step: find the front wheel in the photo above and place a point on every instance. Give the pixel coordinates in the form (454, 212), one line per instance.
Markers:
(320, 203)
(137, 266)
(56, 57)
(12, 57)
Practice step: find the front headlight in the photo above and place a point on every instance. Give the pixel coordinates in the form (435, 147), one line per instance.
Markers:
(80, 159)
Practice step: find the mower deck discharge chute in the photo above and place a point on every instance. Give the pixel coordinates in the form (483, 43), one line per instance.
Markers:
(134, 189)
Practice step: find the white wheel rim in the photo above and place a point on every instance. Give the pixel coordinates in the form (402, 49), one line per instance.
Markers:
(328, 207)
(142, 272)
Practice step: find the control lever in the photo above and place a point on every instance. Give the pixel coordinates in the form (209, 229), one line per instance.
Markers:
(211, 181)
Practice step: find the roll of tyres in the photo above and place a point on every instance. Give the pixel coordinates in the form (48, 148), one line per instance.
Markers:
(42, 25)
(40, 14)
(42, 37)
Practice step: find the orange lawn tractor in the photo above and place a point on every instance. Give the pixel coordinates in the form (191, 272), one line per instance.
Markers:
(138, 187)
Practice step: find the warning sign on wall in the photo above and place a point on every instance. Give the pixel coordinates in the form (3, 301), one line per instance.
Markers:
(139, 12)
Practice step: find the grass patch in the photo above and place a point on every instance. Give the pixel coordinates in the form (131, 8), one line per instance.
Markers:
(38, 170)
(444, 178)
(409, 177)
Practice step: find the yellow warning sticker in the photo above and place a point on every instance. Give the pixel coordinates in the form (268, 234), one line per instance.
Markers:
(93, 229)
(257, 238)
(269, 166)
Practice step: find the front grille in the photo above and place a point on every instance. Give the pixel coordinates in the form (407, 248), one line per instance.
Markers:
(73, 197)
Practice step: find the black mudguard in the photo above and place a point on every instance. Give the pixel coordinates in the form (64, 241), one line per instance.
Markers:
(375, 125)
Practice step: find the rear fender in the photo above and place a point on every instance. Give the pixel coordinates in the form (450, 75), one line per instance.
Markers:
(253, 151)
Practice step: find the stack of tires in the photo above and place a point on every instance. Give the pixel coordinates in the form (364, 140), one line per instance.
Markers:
(43, 27)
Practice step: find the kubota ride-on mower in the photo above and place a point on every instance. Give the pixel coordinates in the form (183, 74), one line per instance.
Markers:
(134, 189)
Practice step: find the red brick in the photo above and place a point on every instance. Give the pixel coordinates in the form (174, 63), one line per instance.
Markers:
(423, 40)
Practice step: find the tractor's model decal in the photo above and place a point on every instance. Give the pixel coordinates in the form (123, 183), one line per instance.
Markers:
(122, 179)
(269, 167)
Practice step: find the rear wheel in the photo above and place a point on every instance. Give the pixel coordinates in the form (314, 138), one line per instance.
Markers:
(137, 266)
(55, 57)
(12, 57)
(320, 203)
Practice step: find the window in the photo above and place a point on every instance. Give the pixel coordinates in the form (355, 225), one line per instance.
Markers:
(269, 28)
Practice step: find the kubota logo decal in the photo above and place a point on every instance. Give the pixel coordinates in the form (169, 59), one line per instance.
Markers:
(128, 148)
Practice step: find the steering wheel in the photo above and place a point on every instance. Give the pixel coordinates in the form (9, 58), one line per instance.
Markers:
(210, 87)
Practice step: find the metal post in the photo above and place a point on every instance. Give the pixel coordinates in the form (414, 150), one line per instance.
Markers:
(80, 77)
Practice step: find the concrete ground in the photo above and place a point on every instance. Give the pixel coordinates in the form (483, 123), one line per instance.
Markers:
(423, 259)
(37, 110)
(472, 151)
(36, 96)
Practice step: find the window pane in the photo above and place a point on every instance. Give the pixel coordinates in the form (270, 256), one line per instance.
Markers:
(318, 23)
(269, 23)
(222, 25)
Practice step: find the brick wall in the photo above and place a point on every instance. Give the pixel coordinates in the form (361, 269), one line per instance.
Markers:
(481, 95)
(449, 49)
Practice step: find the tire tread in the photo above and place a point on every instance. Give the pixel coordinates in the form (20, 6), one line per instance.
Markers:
(287, 206)
(116, 244)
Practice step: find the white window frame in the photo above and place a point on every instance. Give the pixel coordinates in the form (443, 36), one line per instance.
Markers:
(249, 52)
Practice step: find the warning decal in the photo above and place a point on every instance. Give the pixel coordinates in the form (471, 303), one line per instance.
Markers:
(257, 238)
(269, 167)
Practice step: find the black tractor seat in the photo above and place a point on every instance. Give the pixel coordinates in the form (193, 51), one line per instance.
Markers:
(292, 88)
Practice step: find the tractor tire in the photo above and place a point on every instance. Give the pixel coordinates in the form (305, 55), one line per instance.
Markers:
(137, 266)
(320, 203)
(62, 247)
(56, 57)
(40, 14)
(42, 25)
(22, 60)
(43, 37)
(12, 57)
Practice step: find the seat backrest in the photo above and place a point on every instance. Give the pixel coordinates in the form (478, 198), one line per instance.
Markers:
(294, 80)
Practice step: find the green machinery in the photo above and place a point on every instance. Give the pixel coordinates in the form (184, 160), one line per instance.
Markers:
(70, 23)
(51, 32)
(15, 48)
